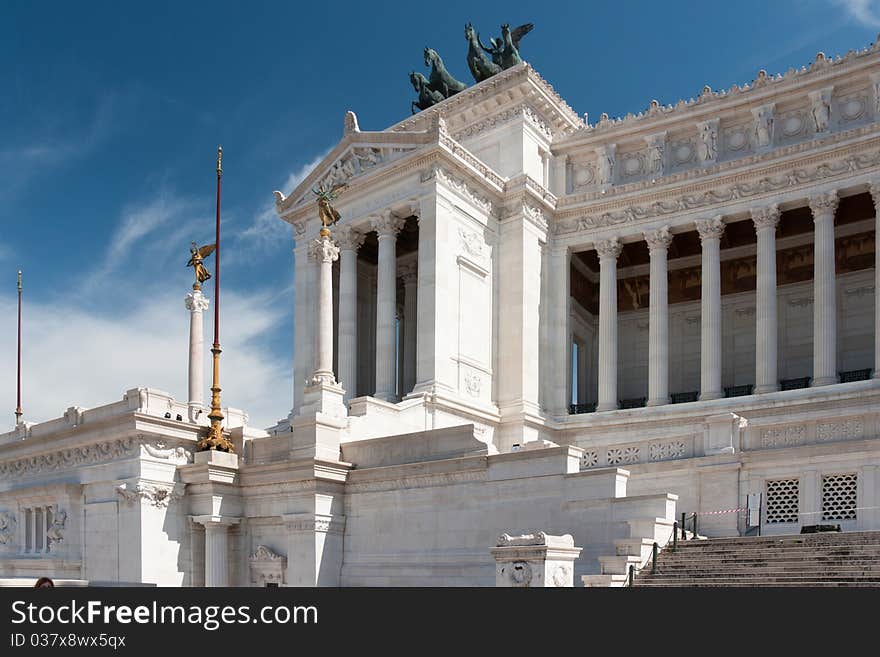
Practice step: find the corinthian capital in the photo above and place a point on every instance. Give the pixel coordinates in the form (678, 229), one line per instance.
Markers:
(609, 248)
(766, 217)
(710, 229)
(387, 224)
(349, 238)
(323, 250)
(823, 204)
(659, 239)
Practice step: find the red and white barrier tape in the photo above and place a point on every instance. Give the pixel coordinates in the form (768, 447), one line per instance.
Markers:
(715, 513)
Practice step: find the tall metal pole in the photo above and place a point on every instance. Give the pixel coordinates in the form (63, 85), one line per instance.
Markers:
(215, 440)
(18, 413)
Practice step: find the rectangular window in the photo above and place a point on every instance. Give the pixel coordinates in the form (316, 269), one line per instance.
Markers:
(782, 500)
(839, 496)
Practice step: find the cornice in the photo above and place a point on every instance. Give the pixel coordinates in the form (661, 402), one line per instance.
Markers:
(763, 88)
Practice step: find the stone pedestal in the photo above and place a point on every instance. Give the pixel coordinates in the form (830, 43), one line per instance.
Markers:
(535, 560)
(318, 428)
(721, 433)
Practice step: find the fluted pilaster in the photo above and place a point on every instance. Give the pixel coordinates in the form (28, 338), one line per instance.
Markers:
(823, 207)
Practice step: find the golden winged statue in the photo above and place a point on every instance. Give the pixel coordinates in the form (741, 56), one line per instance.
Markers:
(327, 212)
(195, 261)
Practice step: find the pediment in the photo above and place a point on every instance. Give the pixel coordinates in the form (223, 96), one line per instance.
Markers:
(357, 154)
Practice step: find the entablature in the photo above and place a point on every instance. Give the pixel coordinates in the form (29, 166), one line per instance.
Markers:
(771, 113)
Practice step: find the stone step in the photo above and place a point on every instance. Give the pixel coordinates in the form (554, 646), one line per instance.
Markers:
(776, 549)
(727, 584)
(763, 569)
(766, 579)
(836, 575)
(832, 537)
(779, 556)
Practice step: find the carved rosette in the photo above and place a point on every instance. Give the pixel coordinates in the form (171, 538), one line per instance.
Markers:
(609, 249)
(659, 240)
(823, 205)
(766, 218)
(710, 229)
(349, 238)
(324, 250)
(196, 302)
(387, 224)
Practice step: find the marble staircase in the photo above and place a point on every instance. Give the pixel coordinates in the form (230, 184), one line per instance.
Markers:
(825, 559)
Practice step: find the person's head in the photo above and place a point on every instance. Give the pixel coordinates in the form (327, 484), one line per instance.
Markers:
(44, 583)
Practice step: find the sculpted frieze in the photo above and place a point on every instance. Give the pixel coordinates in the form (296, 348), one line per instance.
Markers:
(69, 458)
(720, 194)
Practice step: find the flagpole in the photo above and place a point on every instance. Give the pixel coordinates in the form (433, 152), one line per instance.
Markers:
(215, 439)
(18, 413)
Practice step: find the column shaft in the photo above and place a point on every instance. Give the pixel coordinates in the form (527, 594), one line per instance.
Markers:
(766, 220)
(196, 303)
(325, 252)
(658, 317)
(349, 242)
(824, 296)
(710, 231)
(386, 306)
(608, 251)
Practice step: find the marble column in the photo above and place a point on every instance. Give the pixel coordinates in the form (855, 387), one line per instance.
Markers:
(410, 276)
(349, 240)
(217, 555)
(766, 220)
(325, 252)
(196, 304)
(710, 231)
(874, 188)
(824, 296)
(387, 226)
(658, 317)
(608, 251)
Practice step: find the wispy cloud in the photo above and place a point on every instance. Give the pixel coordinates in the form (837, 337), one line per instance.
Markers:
(266, 229)
(866, 12)
(146, 236)
(75, 357)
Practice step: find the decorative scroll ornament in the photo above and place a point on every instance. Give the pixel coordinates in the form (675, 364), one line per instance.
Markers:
(323, 249)
(157, 496)
(824, 204)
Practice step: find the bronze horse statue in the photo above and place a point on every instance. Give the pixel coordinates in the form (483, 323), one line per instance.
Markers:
(440, 79)
(481, 66)
(426, 96)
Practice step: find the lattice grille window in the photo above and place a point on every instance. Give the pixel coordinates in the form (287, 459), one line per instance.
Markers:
(839, 496)
(782, 500)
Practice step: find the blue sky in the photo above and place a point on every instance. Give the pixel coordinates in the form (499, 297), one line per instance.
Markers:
(110, 114)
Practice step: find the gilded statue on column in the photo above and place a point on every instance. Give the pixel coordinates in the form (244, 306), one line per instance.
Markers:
(197, 255)
(326, 212)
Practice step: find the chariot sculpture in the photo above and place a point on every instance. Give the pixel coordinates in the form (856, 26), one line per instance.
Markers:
(483, 62)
